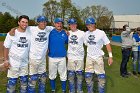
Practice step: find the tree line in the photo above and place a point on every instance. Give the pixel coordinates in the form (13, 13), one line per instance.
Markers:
(64, 9)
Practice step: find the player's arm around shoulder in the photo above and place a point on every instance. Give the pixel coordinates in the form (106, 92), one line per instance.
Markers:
(49, 28)
(12, 31)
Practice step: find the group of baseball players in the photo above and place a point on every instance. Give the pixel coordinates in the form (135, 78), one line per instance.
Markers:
(26, 47)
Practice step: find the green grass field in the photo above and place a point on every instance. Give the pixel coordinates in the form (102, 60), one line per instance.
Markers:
(2, 38)
(114, 84)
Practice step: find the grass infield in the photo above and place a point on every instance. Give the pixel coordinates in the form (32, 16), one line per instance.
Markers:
(114, 82)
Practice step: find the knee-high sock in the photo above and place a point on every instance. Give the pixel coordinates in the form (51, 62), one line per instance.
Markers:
(42, 82)
(11, 85)
(23, 84)
(32, 83)
(101, 83)
(89, 81)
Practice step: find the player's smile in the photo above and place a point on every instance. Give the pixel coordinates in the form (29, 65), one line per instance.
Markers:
(23, 24)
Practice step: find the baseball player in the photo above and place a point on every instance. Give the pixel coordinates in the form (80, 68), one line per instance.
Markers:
(75, 56)
(95, 39)
(16, 52)
(57, 55)
(37, 55)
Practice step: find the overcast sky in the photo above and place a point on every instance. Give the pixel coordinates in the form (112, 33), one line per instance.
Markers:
(34, 8)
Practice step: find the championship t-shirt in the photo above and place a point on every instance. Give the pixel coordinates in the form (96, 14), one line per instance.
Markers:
(18, 48)
(95, 41)
(39, 42)
(75, 45)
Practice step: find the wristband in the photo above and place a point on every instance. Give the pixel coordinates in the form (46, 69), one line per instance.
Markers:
(110, 54)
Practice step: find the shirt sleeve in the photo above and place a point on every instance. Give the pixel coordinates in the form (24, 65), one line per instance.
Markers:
(105, 39)
(8, 41)
(50, 28)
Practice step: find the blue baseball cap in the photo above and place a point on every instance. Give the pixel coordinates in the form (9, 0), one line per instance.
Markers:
(56, 20)
(72, 21)
(90, 21)
(42, 18)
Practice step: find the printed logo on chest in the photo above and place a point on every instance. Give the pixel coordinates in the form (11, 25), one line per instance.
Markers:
(91, 39)
(73, 39)
(22, 42)
(41, 37)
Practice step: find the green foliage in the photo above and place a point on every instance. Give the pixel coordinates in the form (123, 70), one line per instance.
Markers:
(7, 22)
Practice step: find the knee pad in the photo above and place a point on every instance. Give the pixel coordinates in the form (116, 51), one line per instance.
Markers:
(101, 76)
(71, 75)
(12, 81)
(79, 74)
(33, 79)
(24, 79)
(89, 81)
(42, 77)
(11, 85)
(88, 76)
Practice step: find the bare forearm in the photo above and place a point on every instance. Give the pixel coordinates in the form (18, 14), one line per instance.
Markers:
(110, 59)
(108, 47)
(6, 52)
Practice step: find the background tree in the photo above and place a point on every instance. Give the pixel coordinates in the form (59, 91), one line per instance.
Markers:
(51, 9)
(101, 14)
(7, 22)
(64, 9)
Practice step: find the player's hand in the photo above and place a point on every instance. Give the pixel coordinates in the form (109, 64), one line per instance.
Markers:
(67, 32)
(110, 61)
(12, 31)
(7, 64)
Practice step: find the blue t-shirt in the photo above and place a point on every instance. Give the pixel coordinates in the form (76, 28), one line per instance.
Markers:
(57, 41)
(137, 38)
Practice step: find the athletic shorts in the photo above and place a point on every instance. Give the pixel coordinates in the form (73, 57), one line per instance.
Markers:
(75, 65)
(95, 65)
(37, 66)
(15, 72)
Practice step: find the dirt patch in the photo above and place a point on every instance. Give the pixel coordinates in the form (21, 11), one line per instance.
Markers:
(1, 52)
